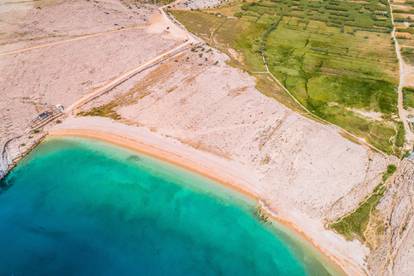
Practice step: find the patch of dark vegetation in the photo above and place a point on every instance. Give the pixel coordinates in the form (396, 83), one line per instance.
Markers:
(134, 158)
(106, 110)
(408, 97)
(408, 55)
(354, 224)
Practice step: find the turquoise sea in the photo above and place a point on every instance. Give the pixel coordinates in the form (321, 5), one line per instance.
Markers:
(83, 207)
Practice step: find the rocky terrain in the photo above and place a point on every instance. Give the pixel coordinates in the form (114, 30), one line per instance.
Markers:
(199, 4)
(55, 52)
(392, 251)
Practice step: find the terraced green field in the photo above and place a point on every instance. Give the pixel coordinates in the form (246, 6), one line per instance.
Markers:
(403, 11)
(335, 57)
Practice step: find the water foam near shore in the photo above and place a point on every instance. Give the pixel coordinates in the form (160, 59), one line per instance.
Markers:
(79, 206)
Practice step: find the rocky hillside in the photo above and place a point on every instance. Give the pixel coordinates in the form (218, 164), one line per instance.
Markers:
(392, 232)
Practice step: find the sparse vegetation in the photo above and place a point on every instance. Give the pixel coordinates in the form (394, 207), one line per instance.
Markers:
(132, 96)
(106, 110)
(354, 224)
(408, 55)
(333, 56)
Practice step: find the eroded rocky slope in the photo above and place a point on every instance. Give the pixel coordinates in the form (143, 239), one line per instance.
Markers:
(392, 235)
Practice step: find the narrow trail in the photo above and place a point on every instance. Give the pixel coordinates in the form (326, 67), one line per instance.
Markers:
(127, 75)
(402, 113)
(190, 41)
(82, 37)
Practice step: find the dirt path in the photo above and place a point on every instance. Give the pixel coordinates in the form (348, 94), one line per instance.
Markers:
(51, 44)
(403, 114)
(176, 29)
(127, 75)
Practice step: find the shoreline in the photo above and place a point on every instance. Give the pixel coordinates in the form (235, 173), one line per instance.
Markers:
(339, 264)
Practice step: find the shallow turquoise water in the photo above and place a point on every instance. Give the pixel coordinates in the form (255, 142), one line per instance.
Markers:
(83, 207)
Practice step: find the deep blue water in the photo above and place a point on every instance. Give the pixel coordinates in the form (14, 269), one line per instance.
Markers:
(83, 207)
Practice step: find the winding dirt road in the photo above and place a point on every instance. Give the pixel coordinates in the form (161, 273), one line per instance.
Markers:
(127, 75)
(177, 27)
(403, 114)
(82, 37)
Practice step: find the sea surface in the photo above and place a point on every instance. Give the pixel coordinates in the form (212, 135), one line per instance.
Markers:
(83, 207)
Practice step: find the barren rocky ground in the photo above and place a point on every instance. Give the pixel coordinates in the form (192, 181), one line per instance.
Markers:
(53, 53)
(392, 252)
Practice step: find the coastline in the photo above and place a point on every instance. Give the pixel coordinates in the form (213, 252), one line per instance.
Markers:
(210, 170)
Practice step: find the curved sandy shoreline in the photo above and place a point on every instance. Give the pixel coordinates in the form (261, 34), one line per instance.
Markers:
(210, 171)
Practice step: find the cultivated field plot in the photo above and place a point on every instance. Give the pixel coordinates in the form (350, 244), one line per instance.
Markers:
(335, 57)
(403, 11)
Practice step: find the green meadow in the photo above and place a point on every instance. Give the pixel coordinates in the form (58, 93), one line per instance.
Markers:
(335, 57)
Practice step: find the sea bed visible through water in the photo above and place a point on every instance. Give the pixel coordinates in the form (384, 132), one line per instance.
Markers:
(84, 207)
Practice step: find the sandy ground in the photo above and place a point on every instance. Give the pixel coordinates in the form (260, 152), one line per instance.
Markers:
(409, 75)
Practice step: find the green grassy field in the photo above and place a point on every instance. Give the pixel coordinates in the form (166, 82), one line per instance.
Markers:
(408, 99)
(335, 57)
(408, 55)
